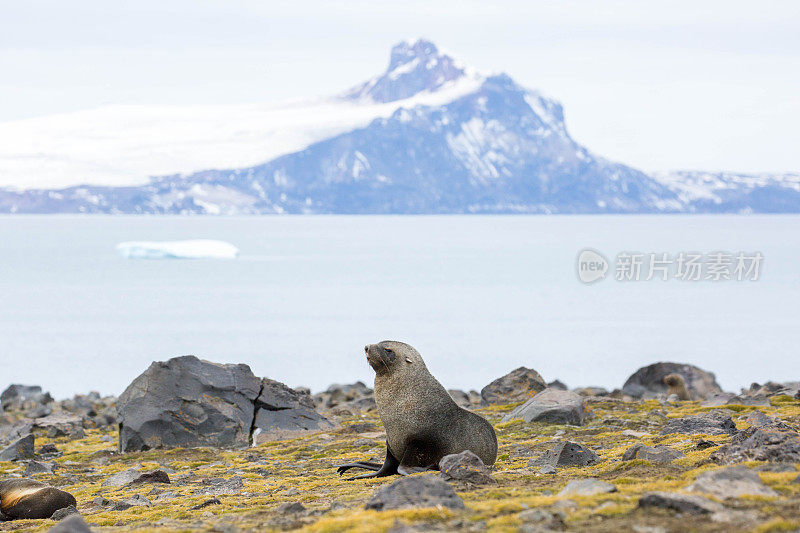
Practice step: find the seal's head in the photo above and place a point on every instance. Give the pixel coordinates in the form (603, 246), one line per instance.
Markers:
(390, 356)
(674, 380)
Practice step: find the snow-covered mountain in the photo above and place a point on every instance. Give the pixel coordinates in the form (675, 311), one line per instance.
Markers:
(429, 135)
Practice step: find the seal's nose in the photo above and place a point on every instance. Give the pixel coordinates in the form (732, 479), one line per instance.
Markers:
(366, 348)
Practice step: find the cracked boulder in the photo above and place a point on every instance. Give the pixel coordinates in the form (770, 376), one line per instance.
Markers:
(516, 386)
(283, 412)
(648, 381)
(188, 402)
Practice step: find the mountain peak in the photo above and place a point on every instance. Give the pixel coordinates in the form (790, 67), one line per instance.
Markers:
(414, 67)
(407, 51)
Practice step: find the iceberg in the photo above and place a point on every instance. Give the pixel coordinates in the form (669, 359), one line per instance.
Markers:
(190, 249)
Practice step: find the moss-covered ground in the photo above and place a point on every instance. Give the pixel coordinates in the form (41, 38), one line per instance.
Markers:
(301, 470)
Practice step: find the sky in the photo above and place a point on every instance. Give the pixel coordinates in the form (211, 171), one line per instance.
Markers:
(711, 85)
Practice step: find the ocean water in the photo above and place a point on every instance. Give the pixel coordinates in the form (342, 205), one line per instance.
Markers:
(477, 296)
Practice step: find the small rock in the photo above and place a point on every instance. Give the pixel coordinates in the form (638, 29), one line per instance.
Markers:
(64, 512)
(467, 467)
(548, 470)
(120, 479)
(35, 467)
(654, 454)
(552, 406)
(731, 482)
(516, 386)
(558, 385)
(778, 468)
(212, 501)
(19, 449)
(220, 486)
(760, 444)
(415, 491)
(520, 451)
(711, 423)
(704, 444)
(73, 523)
(566, 454)
(290, 508)
(635, 434)
(586, 487)
(682, 503)
(137, 500)
(156, 476)
(797, 480)
(49, 450)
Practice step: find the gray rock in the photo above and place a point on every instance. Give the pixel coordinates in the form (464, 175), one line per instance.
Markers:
(156, 476)
(711, 423)
(220, 486)
(415, 491)
(188, 402)
(759, 419)
(207, 503)
(777, 468)
(460, 397)
(282, 413)
(20, 397)
(290, 508)
(566, 454)
(466, 467)
(22, 448)
(654, 454)
(137, 500)
(797, 480)
(731, 482)
(648, 381)
(586, 487)
(547, 470)
(73, 523)
(120, 479)
(683, 503)
(516, 386)
(35, 467)
(64, 512)
(551, 406)
(778, 445)
(558, 385)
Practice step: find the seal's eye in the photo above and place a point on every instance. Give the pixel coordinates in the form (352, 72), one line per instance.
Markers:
(389, 351)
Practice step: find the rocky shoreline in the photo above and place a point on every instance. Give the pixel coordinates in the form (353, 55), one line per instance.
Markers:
(193, 445)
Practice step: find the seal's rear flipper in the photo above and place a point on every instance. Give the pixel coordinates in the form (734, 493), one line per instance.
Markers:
(341, 469)
(388, 468)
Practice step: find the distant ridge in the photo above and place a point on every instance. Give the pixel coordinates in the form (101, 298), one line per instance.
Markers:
(429, 135)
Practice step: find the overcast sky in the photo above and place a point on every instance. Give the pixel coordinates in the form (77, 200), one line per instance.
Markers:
(658, 85)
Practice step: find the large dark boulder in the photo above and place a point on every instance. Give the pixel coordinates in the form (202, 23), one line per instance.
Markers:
(648, 381)
(186, 402)
(516, 386)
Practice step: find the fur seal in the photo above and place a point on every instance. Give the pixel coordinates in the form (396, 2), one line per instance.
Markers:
(422, 422)
(26, 498)
(677, 386)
